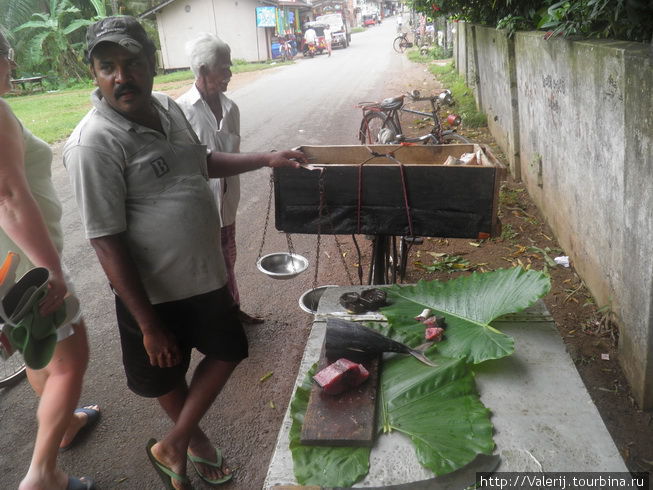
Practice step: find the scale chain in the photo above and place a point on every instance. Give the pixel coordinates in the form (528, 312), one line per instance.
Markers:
(324, 209)
(267, 217)
(291, 249)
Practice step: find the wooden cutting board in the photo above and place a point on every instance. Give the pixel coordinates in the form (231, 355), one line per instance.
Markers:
(347, 419)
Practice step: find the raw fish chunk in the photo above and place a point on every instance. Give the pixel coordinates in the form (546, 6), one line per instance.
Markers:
(341, 376)
(434, 334)
(435, 321)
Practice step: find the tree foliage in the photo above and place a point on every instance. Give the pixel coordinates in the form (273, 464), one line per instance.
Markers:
(55, 39)
(630, 20)
(49, 35)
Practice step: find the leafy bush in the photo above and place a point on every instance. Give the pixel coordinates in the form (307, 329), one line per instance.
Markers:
(630, 20)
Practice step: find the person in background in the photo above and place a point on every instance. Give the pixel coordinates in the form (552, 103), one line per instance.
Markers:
(310, 37)
(327, 39)
(30, 215)
(216, 121)
(140, 177)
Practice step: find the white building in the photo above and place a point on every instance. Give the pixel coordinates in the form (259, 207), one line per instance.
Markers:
(235, 21)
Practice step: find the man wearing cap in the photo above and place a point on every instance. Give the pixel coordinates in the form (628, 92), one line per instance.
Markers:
(140, 177)
(215, 118)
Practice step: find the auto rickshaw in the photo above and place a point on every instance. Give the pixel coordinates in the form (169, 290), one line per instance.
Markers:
(320, 42)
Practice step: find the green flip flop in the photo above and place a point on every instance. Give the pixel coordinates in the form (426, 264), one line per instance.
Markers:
(194, 460)
(165, 473)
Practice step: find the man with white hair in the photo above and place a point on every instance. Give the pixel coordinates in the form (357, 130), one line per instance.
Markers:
(216, 120)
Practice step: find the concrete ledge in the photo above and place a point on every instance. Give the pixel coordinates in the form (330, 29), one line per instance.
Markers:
(543, 416)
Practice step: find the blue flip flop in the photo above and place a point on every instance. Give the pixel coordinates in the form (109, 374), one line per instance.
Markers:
(92, 417)
(194, 460)
(165, 473)
(83, 483)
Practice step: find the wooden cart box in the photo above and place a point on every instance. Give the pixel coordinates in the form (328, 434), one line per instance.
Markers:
(457, 201)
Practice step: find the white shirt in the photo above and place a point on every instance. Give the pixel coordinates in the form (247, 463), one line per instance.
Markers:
(327, 35)
(224, 137)
(310, 36)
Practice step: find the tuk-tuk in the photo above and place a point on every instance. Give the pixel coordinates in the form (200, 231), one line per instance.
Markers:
(320, 43)
(369, 20)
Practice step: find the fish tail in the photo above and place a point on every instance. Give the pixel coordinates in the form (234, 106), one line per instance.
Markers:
(419, 355)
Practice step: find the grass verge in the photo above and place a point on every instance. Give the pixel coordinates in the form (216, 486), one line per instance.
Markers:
(462, 94)
(52, 116)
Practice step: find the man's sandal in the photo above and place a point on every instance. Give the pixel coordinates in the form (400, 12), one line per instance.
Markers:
(165, 473)
(195, 460)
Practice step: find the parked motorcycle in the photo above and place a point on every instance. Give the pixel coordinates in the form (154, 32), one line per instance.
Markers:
(285, 50)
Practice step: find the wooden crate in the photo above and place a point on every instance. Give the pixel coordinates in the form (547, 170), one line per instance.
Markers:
(457, 201)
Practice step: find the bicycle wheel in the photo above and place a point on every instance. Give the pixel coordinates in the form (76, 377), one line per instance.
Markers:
(376, 129)
(12, 370)
(399, 44)
(382, 264)
(454, 139)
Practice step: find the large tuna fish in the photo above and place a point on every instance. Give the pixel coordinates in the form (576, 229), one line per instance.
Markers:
(357, 343)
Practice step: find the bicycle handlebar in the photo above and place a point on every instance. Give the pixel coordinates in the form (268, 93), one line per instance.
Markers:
(443, 97)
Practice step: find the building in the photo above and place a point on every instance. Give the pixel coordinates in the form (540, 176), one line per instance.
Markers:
(248, 26)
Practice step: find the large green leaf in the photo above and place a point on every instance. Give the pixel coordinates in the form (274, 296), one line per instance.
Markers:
(438, 408)
(317, 465)
(469, 304)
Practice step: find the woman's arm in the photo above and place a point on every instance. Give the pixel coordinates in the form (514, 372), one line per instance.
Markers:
(20, 216)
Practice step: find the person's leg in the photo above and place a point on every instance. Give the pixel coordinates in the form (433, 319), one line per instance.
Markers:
(59, 386)
(228, 238)
(186, 406)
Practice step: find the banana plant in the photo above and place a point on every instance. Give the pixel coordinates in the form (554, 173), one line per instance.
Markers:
(51, 43)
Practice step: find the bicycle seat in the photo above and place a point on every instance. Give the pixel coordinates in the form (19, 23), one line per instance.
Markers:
(392, 103)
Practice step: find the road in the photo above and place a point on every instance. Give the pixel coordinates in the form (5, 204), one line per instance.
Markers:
(308, 103)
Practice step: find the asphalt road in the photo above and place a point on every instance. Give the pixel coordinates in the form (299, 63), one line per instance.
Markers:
(308, 103)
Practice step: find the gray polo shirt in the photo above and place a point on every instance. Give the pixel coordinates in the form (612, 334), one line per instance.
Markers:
(153, 187)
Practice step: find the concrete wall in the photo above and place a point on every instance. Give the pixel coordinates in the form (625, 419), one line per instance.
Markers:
(234, 22)
(576, 119)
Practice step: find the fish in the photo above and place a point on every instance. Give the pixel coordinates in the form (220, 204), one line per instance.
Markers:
(340, 376)
(357, 343)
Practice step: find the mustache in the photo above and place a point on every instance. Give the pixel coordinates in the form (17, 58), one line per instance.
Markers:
(125, 87)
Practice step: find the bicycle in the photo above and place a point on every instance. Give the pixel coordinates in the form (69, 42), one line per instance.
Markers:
(401, 43)
(381, 125)
(285, 50)
(12, 369)
(12, 365)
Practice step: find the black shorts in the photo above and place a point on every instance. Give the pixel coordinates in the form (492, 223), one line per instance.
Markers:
(207, 322)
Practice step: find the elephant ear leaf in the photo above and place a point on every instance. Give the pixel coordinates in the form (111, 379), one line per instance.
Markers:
(469, 304)
(323, 466)
(439, 409)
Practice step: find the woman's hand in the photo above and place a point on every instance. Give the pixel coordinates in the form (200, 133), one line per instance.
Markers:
(57, 291)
